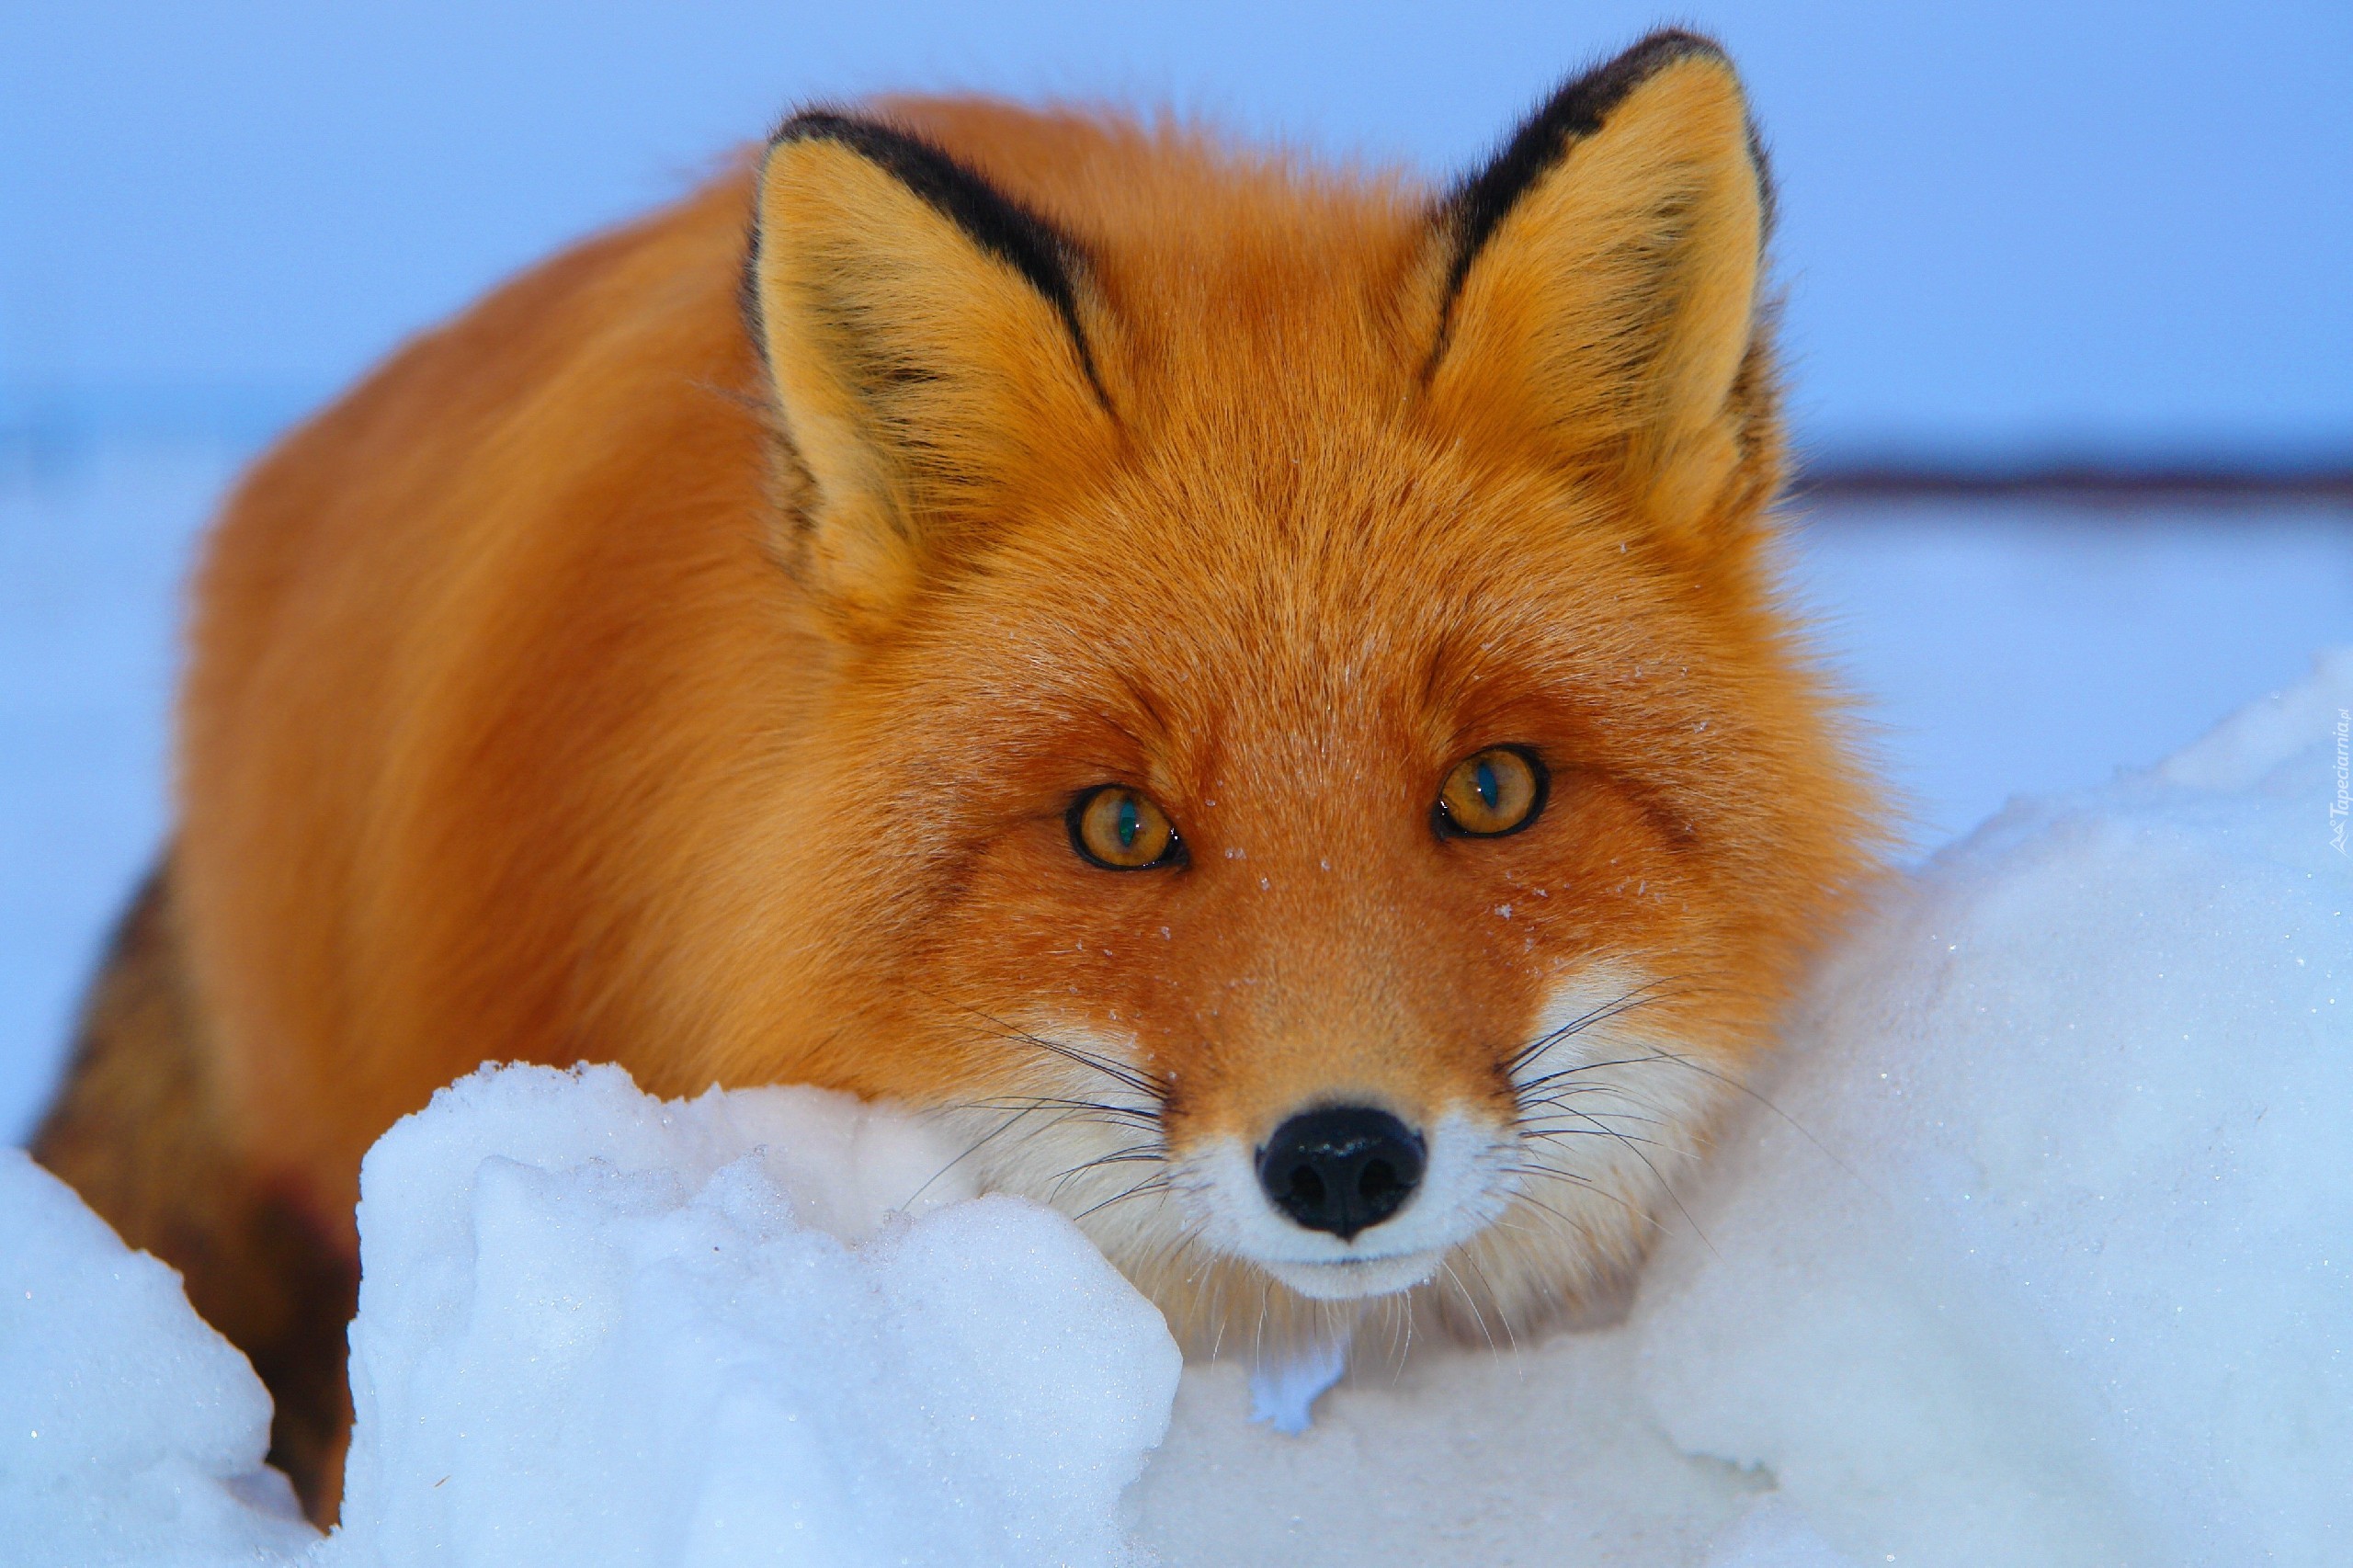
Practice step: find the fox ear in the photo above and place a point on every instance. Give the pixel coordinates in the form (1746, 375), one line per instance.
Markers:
(1596, 293)
(924, 339)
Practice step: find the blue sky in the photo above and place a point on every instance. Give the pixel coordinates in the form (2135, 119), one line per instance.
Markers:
(2010, 225)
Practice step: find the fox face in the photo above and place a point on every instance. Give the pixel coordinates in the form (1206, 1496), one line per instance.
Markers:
(1317, 786)
(1340, 913)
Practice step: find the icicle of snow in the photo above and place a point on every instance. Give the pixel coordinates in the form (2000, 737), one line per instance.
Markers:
(1283, 1393)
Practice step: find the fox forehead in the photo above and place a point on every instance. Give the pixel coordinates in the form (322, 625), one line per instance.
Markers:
(1173, 637)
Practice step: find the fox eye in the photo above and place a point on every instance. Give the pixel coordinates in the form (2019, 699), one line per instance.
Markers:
(1123, 830)
(1491, 792)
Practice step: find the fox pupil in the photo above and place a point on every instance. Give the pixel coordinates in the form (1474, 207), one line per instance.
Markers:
(1490, 788)
(1131, 823)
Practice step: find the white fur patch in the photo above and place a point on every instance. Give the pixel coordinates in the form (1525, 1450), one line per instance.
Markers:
(1081, 1134)
(1613, 1108)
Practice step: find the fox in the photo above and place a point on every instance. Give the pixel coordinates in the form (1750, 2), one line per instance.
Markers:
(1255, 692)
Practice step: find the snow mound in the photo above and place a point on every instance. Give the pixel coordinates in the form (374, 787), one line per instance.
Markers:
(2045, 1252)
(130, 1432)
(598, 1328)
(1772, 1534)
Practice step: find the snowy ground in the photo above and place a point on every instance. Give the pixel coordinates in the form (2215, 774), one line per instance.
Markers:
(2041, 1258)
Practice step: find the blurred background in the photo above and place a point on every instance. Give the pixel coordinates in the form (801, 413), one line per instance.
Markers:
(2069, 311)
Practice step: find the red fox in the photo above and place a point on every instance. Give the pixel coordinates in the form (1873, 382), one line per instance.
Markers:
(1255, 692)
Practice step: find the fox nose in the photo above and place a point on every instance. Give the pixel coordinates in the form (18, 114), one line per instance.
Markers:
(1342, 1170)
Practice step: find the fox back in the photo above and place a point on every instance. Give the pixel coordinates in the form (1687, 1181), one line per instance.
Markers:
(1254, 691)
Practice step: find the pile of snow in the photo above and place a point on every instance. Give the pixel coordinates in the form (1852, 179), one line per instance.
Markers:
(600, 1328)
(630, 1331)
(2047, 1256)
(2038, 1254)
(130, 1432)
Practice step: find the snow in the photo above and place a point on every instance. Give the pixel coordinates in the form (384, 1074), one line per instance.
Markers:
(91, 556)
(1772, 1534)
(2048, 1253)
(627, 1332)
(130, 1432)
(1283, 1393)
(2007, 649)
(595, 1329)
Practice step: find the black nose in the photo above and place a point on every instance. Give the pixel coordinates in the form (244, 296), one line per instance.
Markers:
(1341, 1170)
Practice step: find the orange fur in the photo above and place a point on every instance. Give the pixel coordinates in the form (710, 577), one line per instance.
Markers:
(584, 686)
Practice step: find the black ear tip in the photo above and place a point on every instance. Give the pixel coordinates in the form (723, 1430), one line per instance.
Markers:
(1589, 95)
(874, 140)
(804, 124)
(1667, 45)
(1575, 111)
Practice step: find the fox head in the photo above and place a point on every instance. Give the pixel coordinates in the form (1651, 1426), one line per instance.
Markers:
(1317, 784)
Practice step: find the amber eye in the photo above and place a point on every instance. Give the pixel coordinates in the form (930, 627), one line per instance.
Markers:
(1492, 792)
(1121, 828)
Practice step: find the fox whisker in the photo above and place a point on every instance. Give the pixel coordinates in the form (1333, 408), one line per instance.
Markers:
(1134, 1153)
(1150, 1184)
(1472, 1259)
(1469, 1300)
(1640, 995)
(1118, 1072)
(970, 1150)
(1097, 1111)
(1750, 1091)
(1555, 1174)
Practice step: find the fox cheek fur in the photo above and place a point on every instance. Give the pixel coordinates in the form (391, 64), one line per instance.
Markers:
(713, 656)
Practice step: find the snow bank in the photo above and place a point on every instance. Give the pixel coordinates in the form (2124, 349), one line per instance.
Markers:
(130, 1432)
(600, 1328)
(597, 1328)
(2047, 1255)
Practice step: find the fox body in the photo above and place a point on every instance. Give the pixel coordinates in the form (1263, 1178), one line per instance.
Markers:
(1252, 691)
